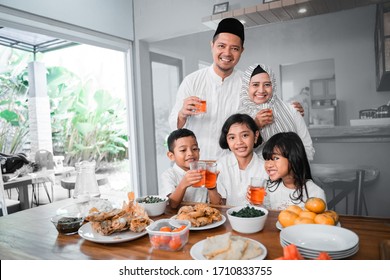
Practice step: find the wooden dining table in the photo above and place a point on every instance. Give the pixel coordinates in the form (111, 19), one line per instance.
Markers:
(29, 234)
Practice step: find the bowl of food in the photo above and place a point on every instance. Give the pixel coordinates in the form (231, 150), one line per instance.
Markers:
(68, 223)
(153, 204)
(247, 219)
(169, 234)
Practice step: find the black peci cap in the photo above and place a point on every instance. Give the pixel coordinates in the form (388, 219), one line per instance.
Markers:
(231, 25)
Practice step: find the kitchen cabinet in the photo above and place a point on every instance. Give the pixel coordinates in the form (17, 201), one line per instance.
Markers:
(323, 109)
(382, 47)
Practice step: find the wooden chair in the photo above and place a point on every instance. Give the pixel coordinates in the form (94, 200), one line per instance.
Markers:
(344, 179)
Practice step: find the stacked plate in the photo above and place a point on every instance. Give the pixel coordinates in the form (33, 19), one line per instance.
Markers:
(312, 239)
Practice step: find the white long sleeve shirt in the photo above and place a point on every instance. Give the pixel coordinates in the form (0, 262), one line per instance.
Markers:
(222, 101)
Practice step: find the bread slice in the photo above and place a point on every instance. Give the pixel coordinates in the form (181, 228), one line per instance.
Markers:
(235, 252)
(253, 250)
(217, 244)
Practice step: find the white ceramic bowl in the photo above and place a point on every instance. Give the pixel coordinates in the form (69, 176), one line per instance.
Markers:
(247, 225)
(153, 209)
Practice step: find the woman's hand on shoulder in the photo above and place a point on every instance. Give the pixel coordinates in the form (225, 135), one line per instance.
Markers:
(298, 107)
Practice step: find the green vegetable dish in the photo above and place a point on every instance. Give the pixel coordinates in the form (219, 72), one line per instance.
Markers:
(248, 212)
(151, 199)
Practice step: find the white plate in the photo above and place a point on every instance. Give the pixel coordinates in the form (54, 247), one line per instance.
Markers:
(320, 237)
(312, 254)
(88, 233)
(280, 227)
(212, 225)
(196, 250)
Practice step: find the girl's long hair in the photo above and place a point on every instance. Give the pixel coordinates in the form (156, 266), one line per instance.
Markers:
(290, 146)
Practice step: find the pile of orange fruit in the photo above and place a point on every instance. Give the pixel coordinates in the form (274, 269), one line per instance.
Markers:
(314, 213)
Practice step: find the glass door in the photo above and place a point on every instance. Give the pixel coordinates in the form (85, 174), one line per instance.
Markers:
(166, 78)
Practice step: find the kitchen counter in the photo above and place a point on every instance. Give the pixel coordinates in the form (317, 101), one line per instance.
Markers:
(353, 134)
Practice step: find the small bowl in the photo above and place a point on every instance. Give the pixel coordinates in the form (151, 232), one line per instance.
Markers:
(68, 223)
(169, 241)
(153, 208)
(247, 225)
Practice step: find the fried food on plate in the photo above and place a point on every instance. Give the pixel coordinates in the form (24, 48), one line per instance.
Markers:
(131, 217)
(200, 214)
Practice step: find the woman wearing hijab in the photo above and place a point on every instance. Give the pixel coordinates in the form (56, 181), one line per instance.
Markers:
(258, 99)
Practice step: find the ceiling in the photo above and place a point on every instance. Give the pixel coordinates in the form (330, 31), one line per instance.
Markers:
(261, 14)
(31, 42)
(284, 10)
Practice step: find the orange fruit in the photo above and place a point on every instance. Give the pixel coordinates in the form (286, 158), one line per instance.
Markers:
(166, 229)
(175, 243)
(164, 239)
(307, 214)
(155, 240)
(286, 218)
(179, 228)
(302, 220)
(333, 214)
(294, 208)
(324, 219)
(315, 204)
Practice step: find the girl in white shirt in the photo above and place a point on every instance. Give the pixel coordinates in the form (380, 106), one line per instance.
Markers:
(289, 172)
(240, 136)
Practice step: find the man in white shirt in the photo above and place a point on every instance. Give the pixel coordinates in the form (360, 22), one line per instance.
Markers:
(219, 85)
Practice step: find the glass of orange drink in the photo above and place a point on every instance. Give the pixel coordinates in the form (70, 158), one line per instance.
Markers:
(211, 175)
(257, 190)
(201, 107)
(201, 167)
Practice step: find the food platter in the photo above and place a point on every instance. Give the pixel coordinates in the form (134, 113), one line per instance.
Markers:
(196, 250)
(89, 234)
(209, 226)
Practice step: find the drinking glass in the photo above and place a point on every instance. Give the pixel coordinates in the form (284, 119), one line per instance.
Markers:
(211, 175)
(201, 107)
(257, 188)
(201, 166)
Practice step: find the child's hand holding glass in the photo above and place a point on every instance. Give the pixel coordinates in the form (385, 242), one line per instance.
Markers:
(256, 190)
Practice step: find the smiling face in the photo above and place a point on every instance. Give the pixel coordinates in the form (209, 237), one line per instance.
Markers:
(185, 151)
(260, 88)
(278, 166)
(226, 50)
(241, 140)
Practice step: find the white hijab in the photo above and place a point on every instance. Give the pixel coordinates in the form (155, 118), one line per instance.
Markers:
(283, 119)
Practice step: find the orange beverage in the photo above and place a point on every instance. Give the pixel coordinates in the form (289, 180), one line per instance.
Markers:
(257, 195)
(201, 107)
(202, 181)
(211, 179)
